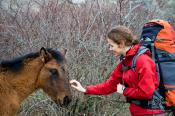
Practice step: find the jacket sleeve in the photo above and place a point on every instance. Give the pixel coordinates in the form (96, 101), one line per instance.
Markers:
(148, 79)
(108, 86)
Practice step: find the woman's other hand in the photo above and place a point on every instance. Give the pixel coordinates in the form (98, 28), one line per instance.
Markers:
(75, 84)
(120, 88)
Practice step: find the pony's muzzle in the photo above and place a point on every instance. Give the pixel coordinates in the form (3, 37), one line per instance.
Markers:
(66, 100)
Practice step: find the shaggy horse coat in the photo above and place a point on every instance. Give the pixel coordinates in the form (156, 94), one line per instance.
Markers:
(22, 76)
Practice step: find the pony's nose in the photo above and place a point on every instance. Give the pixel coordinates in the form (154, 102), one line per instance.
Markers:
(66, 100)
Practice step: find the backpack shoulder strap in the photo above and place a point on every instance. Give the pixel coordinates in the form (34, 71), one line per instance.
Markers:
(140, 51)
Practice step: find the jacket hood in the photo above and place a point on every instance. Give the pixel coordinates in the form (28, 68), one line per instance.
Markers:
(133, 50)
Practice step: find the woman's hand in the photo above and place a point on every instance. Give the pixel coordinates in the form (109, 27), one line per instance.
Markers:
(75, 84)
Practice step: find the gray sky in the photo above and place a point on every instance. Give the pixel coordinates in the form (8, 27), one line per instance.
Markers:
(78, 1)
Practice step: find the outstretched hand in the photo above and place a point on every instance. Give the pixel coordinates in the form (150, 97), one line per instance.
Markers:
(75, 84)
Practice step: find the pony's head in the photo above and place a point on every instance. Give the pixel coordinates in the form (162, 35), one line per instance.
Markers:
(53, 77)
(44, 69)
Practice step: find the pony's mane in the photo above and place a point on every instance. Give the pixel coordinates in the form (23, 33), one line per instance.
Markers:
(17, 63)
(57, 55)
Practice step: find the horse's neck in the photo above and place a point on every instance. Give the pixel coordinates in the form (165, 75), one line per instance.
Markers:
(25, 82)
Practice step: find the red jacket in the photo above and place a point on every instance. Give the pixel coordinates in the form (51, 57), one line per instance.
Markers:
(141, 84)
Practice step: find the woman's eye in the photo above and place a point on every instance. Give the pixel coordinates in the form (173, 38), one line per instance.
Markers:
(110, 47)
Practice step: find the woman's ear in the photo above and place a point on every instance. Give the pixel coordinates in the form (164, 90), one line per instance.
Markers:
(122, 44)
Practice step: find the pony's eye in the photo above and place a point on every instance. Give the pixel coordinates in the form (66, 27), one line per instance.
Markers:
(54, 73)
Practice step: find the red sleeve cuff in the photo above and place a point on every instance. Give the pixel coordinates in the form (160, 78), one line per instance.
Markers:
(125, 91)
(87, 90)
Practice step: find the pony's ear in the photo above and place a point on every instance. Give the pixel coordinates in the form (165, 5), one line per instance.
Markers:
(44, 55)
(63, 51)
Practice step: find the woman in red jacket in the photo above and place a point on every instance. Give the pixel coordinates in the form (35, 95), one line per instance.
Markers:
(138, 85)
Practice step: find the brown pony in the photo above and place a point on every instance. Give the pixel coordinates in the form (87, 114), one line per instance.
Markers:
(22, 76)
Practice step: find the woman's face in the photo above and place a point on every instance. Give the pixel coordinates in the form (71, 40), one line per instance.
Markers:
(116, 49)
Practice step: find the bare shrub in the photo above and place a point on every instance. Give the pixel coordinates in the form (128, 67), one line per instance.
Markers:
(81, 29)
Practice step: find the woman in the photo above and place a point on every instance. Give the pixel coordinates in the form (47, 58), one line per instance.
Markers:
(135, 85)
